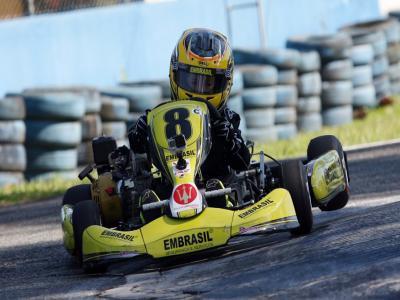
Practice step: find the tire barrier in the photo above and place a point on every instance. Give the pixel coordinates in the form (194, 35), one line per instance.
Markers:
(259, 97)
(12, 138)
(384, 37)
(337, 115)
(259, 75)
(54, 128)
(309, 89)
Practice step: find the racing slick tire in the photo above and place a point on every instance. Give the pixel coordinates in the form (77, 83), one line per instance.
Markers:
(295, 181)
(77, 194)
(86, 213)
(319, 146)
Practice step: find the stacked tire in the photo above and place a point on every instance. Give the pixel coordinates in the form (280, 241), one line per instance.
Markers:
(91, 125)
(383, 36)
(336, 73)
(139, 96)
(12, 137)
(54, 132)
(259, 99)
(309, 88)
(235, 101)
(114, 115)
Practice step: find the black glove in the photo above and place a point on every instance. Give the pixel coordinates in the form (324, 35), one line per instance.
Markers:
(225, 131)
(138, 135)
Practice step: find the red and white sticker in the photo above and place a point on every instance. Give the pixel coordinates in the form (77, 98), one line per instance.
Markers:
(185, 193)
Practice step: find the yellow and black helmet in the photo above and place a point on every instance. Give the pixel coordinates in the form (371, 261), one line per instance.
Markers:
(202, 67)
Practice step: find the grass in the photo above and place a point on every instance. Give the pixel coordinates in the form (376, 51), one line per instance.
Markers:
(381, 124)
(35, 190)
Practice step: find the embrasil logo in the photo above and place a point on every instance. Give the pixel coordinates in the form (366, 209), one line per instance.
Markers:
(184, 153)
(188, 240)
(118, 235)
(256, 208)
(202, 71)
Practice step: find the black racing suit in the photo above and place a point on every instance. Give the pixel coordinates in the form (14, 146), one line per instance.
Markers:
(228, 147)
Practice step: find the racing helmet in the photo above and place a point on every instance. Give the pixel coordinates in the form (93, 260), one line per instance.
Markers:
(202, 67)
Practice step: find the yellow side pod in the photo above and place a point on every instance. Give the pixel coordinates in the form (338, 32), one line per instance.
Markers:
(212, 228)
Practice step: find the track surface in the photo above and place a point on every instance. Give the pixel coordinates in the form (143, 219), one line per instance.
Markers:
(352, 253)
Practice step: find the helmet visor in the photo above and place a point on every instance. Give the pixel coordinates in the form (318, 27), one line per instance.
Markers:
(200, 80)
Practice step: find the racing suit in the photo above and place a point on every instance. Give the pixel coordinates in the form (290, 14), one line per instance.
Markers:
(228, 147)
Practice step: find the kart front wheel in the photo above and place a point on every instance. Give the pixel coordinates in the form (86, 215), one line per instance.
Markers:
(295, 181)
(321, 145)
(86, 213)
(77, 194)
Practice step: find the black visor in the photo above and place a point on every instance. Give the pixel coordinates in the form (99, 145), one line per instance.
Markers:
(197, 83)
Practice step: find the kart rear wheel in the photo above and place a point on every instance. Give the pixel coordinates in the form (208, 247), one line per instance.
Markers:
(86, 213)
(319, 146)
(295, 181)
(77, 194)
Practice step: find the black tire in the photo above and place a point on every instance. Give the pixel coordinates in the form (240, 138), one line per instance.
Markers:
(319, 146)
(86, 213)
(295, 181)
(77, 194)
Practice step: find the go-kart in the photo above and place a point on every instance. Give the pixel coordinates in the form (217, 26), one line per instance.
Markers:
(105, 221)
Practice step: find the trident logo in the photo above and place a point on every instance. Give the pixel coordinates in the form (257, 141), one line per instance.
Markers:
(184, 194)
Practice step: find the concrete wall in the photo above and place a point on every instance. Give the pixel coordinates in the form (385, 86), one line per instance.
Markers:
(134, 41)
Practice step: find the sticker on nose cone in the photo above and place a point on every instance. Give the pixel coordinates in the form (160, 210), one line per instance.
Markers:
(185, 193)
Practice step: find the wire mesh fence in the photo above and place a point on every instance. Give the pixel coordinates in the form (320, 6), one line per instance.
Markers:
(20, 8)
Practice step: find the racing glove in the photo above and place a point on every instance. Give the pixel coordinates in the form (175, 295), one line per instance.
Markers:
(138, 135)
(225, 131)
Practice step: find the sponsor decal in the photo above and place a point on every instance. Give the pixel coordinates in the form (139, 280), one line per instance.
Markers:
(118, 235)
(254, 209)
(188, 240)
(184, 153)
(201, 71)
(185, 193)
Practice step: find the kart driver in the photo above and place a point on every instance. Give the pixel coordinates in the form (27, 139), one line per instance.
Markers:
(201, 67)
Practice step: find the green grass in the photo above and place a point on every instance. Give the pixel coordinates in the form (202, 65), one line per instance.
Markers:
(35, 190)
(380, 125)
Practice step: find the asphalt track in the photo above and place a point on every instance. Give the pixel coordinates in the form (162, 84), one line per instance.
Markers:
(353, 253)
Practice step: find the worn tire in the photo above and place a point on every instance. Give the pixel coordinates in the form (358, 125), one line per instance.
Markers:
(260, 97)
(380, 66)
(12, 157)
(337, 70)
(364, 96)
(281, 58)
(41, 159)
(382, 86)
(55, 106)
(287, 77)
(286, 95)
(12, 108)
(12, 131)
(309, 105)
(259, 118)
(321, 145)
(286, 131)
(394, 72)
(362, 75)
(339, 115)
(294, 179)
(91, 127)
(362, 54)
(11, 178)
(116, 129)
(284, 115)
(309, 84)
(85, 153)
(309, 122)
(259, 75)
(393, 53)
(237, 83)
(235, 103)
(86, 213)
(262, 135)
(114, 109)
(309, 62)
(140, 97)
(336, 93)
(53, 134)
